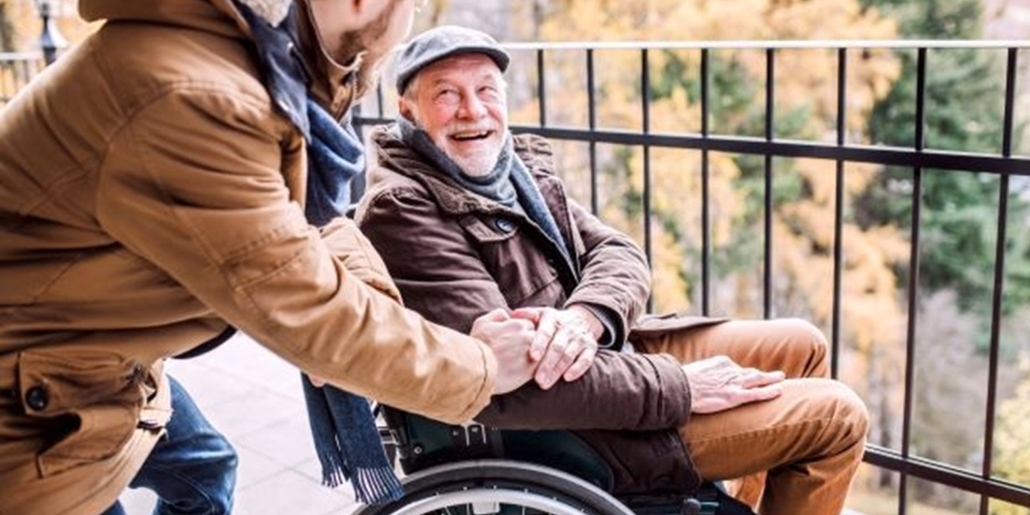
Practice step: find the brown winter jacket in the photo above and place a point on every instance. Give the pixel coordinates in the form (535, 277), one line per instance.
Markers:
(149, 198)
(455, 255)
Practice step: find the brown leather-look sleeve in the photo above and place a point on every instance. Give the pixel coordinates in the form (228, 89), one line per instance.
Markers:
(637, 392)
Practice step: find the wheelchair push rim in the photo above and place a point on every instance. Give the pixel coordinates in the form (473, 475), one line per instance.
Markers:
(486, 487)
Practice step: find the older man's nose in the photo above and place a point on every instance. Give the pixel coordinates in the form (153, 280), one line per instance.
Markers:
(472, 107)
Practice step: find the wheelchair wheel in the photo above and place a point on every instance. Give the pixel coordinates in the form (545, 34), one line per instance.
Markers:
(490, 487)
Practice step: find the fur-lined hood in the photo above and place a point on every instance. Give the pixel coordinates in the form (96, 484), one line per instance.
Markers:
(222, 17)
(196, 15)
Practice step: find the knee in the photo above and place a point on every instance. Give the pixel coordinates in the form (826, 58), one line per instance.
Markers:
(809, 342)
(224, 458)
(215, 469)
(222, 473)
(849, 413)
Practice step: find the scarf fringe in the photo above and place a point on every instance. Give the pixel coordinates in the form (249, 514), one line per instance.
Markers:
(377, 485)
(371, 485)
(334, 472)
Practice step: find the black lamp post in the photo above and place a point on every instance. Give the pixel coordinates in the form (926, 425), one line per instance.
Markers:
(50, 41)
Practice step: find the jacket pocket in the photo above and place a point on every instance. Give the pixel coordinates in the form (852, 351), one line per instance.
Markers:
(90, 399)
(523, 273)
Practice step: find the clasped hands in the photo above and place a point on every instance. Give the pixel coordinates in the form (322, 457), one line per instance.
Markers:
(562, 344)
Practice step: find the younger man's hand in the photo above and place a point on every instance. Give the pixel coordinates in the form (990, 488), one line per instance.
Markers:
(509, 339)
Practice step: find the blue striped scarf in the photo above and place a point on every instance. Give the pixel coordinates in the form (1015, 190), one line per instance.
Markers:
(345, 435)
(342, 425)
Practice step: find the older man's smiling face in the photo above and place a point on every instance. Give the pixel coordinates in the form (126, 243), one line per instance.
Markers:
(460, 102)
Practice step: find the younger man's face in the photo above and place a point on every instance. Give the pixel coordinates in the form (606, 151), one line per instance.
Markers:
(375, 27)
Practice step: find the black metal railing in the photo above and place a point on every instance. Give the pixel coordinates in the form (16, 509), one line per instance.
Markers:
(918, 158)
(18, 68)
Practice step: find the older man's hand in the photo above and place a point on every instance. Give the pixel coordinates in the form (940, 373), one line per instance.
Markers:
(565, 344)
(718, 384)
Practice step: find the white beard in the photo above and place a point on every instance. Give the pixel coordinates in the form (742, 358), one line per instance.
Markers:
(478, 164)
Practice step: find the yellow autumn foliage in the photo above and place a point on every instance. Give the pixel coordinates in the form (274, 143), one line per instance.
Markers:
(1012, 441)
(873, 314)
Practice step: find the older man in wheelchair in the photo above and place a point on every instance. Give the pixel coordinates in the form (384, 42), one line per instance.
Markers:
(626, 413)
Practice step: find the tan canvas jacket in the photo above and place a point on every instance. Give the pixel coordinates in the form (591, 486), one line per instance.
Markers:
(150, 196)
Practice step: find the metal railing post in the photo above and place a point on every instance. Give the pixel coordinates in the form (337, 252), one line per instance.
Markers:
(50, 41)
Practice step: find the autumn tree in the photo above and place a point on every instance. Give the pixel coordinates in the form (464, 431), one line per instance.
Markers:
(964, 92)
(964, 111)
(1012, 447)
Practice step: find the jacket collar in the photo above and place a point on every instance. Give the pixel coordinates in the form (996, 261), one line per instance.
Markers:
(396, 158)
(332, 83)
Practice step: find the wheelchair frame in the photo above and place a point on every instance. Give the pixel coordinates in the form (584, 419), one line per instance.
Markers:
(452, 472)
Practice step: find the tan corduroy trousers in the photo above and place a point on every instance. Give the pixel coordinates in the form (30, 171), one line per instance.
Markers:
(799, 451)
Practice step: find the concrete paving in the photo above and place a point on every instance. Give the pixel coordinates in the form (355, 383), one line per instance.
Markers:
(254, 398)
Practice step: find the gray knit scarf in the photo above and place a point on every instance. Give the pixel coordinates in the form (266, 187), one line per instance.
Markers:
(509, 183)
(496, 185)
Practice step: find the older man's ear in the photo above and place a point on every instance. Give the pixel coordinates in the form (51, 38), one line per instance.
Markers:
(404, 109)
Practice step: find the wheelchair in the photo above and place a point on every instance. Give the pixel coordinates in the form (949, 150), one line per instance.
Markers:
(478, 470)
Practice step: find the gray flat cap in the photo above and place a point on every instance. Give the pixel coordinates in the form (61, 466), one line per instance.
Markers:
(445, 41)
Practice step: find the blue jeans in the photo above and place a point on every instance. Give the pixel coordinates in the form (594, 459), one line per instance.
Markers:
(192, 469)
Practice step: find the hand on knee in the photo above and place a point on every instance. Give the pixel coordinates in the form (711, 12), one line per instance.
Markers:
(718, 384)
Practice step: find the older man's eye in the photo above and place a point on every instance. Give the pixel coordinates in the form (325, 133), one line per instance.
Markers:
(446, 97)
(491, 92)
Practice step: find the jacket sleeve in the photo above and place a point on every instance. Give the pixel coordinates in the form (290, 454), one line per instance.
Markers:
(346, 243)
(438, 272)
(193, 184)
(637, 392)
(614, 273)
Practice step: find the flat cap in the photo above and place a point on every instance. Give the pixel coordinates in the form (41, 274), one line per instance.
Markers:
(441, 42)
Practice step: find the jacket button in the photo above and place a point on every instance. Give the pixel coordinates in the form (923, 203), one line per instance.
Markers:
(504, 225)
(36, 398)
